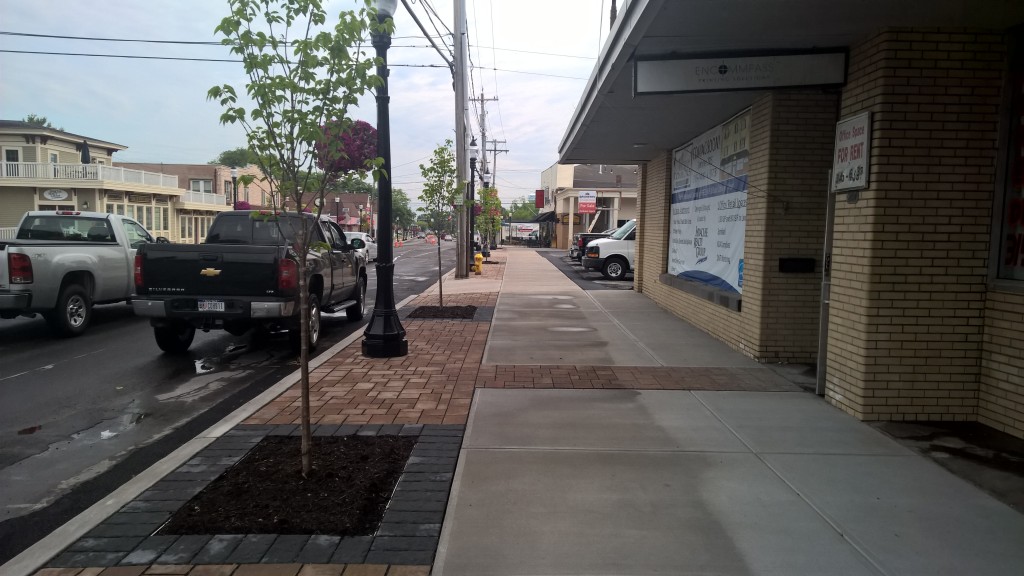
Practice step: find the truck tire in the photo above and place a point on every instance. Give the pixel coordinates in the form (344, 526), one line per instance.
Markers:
(314, 326)
(174, 338)
(71, 315)
(615, 268)
(356, 311)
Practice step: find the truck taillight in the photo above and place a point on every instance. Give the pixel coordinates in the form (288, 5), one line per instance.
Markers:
(19, 268)
(138, 272)
(287, 275)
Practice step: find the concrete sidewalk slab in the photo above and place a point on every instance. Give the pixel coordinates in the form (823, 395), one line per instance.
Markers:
(520, 512)
(796, 423)
(652, 420)
(908, 514)
(693, 482)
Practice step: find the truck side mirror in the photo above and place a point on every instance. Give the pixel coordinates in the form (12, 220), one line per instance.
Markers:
(162, 240)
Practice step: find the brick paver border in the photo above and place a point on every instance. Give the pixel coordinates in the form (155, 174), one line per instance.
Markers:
(407, 536)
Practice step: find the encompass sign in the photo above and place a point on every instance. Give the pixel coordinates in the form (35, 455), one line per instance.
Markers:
(851, 166)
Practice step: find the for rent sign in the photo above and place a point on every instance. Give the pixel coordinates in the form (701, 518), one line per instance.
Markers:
(851, 166)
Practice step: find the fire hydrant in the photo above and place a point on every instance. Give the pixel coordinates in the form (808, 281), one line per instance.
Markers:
(478, 267)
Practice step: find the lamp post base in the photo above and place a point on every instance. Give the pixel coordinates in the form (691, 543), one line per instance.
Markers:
(385, 348)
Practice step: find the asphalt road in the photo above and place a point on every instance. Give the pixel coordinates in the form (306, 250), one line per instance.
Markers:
(79, 417)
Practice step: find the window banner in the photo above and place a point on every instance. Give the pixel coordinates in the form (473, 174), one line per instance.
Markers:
(709, 206)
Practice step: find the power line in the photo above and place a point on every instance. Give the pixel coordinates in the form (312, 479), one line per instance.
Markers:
(179, 58)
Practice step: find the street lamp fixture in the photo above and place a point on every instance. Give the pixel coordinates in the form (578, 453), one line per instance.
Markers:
(384, 336)
(474, 154)
(337, 210)
(234, 186)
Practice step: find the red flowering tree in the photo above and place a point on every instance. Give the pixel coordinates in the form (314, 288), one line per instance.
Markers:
(346, 147)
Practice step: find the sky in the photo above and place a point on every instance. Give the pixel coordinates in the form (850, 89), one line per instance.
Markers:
(533, 55)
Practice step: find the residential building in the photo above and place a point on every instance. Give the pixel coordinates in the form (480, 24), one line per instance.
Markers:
(613, 187)
(868, 151)
(208, 190)
(49, 169)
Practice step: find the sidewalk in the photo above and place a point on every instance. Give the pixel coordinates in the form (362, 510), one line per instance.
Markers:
(607, 437)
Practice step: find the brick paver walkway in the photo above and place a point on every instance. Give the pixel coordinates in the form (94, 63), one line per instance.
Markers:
(434, 384)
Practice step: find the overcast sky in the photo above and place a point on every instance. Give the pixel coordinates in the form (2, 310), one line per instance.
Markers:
(544, 51)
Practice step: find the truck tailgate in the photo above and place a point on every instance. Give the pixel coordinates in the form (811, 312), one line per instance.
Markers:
(210, 270)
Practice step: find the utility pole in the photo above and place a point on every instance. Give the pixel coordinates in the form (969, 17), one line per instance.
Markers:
(484, 174)
(460, 63)
(494, 148)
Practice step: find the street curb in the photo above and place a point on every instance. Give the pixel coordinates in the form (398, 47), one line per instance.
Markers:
(35, 557)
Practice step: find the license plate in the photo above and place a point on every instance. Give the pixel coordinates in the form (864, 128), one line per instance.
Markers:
(211, 306)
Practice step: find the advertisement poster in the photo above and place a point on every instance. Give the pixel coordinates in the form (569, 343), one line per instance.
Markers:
(709, 206)
(588, 202)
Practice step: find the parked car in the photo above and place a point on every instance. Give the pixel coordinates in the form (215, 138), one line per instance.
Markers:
(448, 238)
(613, 256)
(245, 276)
(62, 263)
(370, 252)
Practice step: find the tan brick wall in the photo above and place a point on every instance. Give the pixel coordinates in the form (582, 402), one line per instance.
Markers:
(1001, 395)
(798, 153)
(910, 255)
(790, 153)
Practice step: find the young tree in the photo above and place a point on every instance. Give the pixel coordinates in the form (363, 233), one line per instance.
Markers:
(440, 188)
(301, 74)
(489, 220)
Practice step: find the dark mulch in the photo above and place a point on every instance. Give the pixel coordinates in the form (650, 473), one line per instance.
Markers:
(352, 479)
(458, 312)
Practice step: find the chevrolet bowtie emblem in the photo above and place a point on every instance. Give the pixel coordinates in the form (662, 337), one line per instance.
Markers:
(210, 272)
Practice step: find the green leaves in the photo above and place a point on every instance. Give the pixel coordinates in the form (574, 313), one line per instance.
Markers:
(440, 186)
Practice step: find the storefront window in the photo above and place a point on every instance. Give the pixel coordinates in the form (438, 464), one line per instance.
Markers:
(1011, 251)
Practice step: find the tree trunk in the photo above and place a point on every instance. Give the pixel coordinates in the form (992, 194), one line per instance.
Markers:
(307, 439)
(440, 285)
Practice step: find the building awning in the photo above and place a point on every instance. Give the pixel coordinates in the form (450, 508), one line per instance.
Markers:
(611, 125)
(545, 217)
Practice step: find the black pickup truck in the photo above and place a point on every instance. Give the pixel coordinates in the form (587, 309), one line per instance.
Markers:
(245, 276)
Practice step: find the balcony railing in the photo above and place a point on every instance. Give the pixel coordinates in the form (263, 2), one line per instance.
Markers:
(85, 172)
(205, 198)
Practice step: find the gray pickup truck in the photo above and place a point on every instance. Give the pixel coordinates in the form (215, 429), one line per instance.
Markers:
(61, 263)
(245, 277)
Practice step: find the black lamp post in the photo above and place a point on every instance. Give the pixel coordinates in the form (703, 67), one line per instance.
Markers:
(384, 336)
(234, 186)
(473, 155)
(337, 210)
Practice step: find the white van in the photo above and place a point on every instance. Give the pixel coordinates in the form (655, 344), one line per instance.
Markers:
(613, 256)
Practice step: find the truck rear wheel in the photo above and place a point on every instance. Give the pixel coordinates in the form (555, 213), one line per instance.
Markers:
(71, 315)
(356, 311)
(174, 338)
(615, 268)
(314, 326)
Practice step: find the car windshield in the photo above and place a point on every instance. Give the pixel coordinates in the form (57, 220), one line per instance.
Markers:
(624, 230)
